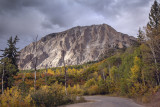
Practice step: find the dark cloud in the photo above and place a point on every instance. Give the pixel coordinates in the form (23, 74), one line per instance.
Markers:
(27, 18)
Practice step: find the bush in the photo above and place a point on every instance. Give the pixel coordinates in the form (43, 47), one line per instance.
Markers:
(90, 83)
(93, 90)
(13, 98)
(75, 90)
(48, 96)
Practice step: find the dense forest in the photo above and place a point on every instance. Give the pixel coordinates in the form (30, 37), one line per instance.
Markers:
(133, 72)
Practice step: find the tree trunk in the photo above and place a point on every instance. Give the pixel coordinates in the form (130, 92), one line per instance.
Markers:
(35, 81)
(46, 75)
(104, 76)
(35, 68)
(24, 76)
(155, 62)
(157, 70)
(65, 79)
(35, 63)
(65, 72)
(143, 78)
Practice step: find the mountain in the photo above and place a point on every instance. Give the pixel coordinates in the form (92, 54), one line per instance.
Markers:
(80, 45)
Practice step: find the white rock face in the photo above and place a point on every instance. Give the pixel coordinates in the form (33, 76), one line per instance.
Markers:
(81, 45)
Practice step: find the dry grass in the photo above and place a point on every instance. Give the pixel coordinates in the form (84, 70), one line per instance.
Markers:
(155, 100)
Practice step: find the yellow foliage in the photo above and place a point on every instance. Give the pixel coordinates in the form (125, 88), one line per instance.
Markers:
(31, 90)
(80, 71)
(76, 90)
(99, 78)
(50, 72)
(12, 97)
(74, 71)
(135, 70)
(27, 100)
(27, 75)
(69, 71)
(45, 88)
(57, 73)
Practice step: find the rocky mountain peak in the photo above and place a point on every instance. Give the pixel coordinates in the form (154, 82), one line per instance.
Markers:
(80, 44)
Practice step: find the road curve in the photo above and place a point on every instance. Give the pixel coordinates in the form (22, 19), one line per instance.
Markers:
(105, 101)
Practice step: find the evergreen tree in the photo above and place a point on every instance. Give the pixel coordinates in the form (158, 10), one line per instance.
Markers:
(140, 36)
(9, 67)
(153, 37)
(154, 16)
(9, 71)
(11, 52)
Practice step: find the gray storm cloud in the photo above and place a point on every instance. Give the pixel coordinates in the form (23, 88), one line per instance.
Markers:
(28, 18)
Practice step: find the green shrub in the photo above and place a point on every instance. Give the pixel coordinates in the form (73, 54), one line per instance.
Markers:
(93, 90)
(90, 83)
(48, 96)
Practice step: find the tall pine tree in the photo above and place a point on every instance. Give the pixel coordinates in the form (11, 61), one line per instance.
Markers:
(153, 37)
(154, 16)
(9, 67)
(11, 52)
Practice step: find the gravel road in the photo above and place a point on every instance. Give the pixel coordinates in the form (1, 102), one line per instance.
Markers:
(105, 101)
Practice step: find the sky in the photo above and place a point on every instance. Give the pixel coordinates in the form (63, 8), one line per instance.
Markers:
(28, 18)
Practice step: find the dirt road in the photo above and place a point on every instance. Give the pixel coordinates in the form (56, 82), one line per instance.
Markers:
(105, 101)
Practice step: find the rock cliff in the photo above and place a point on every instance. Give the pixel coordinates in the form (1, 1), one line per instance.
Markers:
(80, 45)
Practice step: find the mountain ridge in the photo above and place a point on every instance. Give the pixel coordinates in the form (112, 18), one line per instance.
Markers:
(81, 44)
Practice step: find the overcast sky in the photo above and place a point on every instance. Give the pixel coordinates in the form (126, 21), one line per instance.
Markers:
(28, 18)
